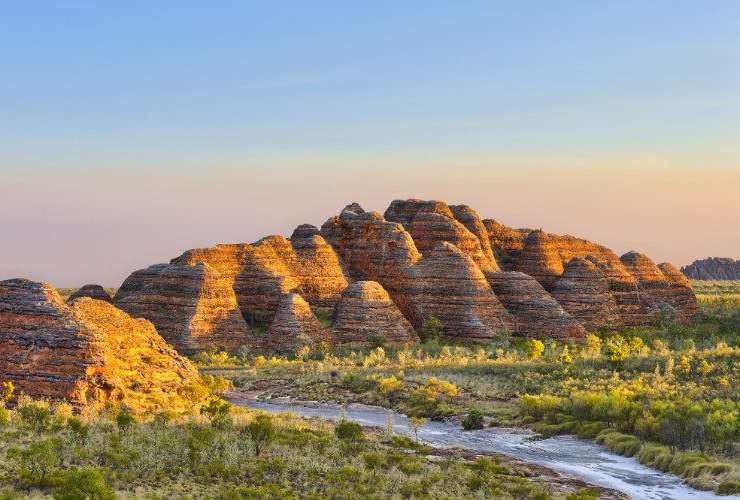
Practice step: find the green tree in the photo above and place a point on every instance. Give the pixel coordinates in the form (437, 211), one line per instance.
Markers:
(261, 431)
(349, 431)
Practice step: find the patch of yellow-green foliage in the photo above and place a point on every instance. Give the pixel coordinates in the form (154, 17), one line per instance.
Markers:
(671, 386)
(46, 450)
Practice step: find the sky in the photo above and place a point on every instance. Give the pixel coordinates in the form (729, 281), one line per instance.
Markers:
(132, 131)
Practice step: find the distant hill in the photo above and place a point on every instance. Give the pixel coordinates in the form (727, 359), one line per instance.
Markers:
(713, 268)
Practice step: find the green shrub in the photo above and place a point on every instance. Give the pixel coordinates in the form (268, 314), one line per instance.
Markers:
(35, 416)
(84, 483)
(4, 416)
(474, 420)
(589, 430)
(124, 420)
(357, 383)
(533, 348)
(729, 487)
(623, 444)
(431, 330)
(377, 340)
(349, 431)
(261, 431)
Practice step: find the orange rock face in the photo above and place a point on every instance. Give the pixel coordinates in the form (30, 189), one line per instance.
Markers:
(659, 291)
(432, 222)
(294, 325)
(193, 307)
(448, 285)
(89, 352)
(265, 271)
(366, 310)
(536, 313)
(431, 258)
(583, 291)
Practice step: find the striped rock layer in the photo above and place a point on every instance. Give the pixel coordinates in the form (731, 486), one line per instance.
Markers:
(89, 352)
(366, 311)
(431, 258)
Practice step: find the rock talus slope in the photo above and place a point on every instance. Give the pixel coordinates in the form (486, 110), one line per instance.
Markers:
(89, 352)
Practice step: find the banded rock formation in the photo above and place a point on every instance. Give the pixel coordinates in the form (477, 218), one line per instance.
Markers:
(367, 310)
(431, 258)
(658, 290)
(89, 352)
(263, 272)
(294, 325)
(583, 291)
(507, 243)
(536, 313)
(432, 222)
(93, 291)
(193, 307)
(448, 285)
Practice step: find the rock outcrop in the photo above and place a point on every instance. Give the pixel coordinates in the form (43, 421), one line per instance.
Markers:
(536, 313)
(432, 259)
(138, 280)
(432, 222)
(93, 291)
(507, 243)
(192, 306)
(673, 275)
(448, 285)
(583, 291)
(265, 271)
(713, 268)
(293, 326)
(366, 311)
(658, 291)
(89, 352)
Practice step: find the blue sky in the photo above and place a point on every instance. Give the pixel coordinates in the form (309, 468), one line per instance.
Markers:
(97, 100)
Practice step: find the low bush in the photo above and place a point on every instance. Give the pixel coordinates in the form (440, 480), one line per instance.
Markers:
(473, 420)
(349, 431)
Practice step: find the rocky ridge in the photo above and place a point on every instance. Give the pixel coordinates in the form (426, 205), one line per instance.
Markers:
(431, 258)
(713, 268)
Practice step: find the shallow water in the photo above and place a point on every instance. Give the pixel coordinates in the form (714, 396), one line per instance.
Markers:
(578, 458)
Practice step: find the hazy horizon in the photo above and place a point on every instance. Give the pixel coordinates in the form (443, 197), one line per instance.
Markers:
(132, 133)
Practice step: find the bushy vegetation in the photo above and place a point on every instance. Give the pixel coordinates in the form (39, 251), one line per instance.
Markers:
(670, 386)
(224, 452)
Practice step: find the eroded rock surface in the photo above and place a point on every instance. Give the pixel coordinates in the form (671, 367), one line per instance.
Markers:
(366, 310)
(536, 313)
(448, 285)
(93, 291)
(583, 291)
(192, 306)
(432, 259)
(89, 352)
(293, 326)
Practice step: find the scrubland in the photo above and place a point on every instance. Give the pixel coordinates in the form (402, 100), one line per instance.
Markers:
(666, 394)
